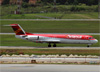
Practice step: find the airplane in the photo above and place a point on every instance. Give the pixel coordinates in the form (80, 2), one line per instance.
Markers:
(53, 38)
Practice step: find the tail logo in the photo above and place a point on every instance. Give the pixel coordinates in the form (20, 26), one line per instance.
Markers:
(17, 29)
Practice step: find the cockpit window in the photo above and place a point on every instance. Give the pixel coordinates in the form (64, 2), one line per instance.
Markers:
(91, 38)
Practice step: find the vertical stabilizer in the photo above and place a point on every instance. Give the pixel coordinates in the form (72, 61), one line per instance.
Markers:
(17, 29)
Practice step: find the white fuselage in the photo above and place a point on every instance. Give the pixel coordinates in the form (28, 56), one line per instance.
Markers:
(42, 39)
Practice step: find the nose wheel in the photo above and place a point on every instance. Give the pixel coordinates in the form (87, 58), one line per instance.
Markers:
(88, 45)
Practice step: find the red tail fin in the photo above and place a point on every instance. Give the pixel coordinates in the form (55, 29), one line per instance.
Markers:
(17, 29)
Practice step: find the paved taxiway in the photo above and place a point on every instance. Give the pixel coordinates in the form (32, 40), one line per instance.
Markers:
(48, 68)
(26, 47)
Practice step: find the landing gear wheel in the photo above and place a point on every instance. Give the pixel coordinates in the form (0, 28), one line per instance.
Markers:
(88, 46)
(54, 45)
(49, 45)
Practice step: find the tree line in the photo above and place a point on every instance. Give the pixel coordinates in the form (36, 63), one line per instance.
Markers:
(72, 2)
(61, 2)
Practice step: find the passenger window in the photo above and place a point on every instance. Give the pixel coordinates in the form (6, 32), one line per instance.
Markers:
(89, 37)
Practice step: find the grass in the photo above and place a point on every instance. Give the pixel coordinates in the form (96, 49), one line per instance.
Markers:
(21, 16)
(92, 15)
(87, 15)
(63, 12)
(53, 26)
(51, 51)
(10, 40)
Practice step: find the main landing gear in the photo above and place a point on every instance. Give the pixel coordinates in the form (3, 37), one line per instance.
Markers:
(54, 45)
(49, 45)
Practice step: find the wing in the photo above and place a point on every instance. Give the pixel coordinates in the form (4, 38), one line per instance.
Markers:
(51, 41)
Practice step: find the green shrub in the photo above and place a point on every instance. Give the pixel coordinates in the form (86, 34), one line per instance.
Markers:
(25, 5)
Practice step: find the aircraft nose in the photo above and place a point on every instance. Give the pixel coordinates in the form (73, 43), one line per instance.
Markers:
(95, 41)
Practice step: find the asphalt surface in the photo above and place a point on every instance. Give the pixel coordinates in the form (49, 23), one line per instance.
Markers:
(26, 47)
(55, 33)
(48, 68)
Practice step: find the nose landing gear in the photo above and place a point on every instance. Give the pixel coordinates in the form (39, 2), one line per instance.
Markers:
(88, 45)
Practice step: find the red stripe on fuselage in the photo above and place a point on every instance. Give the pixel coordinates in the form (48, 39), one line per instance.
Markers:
(65, 36)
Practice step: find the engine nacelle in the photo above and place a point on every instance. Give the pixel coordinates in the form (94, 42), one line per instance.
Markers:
(32, 38)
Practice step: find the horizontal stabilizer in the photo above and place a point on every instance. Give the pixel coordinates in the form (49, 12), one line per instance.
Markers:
(6, 25)
(9, 25)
